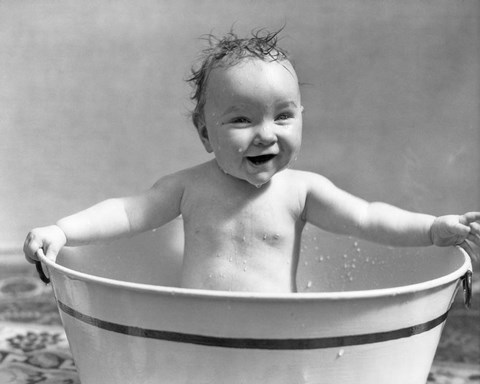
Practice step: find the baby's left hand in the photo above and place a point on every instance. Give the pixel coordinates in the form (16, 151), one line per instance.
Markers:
(458, 230)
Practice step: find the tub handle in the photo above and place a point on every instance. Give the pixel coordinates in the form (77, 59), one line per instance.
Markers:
(467, 289)
(38, 266)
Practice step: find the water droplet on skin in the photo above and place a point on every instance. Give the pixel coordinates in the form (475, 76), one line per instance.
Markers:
(154, 230)
(244, 238)
(265, 236)
(245, 269)
(358, 249)
(276, 236)
(321, 258)
(355, 244)
(309, 284)
(240, 150)
(345, 256)
(340, 353)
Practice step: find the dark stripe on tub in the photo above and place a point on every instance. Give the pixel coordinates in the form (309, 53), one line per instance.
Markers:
(246, 343)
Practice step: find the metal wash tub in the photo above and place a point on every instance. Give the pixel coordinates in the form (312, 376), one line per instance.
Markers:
(360, 319)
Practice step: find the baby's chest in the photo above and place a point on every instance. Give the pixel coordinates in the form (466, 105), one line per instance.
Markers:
(261, 219)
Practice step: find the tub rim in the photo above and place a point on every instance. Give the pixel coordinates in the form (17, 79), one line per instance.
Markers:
(265, 296)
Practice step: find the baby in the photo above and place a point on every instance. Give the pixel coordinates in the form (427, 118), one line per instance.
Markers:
(245, 203)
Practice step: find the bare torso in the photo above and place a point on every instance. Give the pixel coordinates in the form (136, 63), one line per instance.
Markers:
(239, 237)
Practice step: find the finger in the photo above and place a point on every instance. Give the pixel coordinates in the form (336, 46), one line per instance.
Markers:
(28, 242)
(469, 217)
(475, 228)
(51, 253)
(27, 252)
(29, 259)
(30, 248)
(474, 238)
(460, 229)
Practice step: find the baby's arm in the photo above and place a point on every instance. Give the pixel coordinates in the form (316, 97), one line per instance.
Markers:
(337, 211)
(112, 218)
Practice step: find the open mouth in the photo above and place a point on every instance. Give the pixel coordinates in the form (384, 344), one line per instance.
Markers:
(262, 159)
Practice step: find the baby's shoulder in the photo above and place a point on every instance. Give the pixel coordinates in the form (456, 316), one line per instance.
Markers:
(306, 183)
(203, 173)
(180, 180)
(196, 172)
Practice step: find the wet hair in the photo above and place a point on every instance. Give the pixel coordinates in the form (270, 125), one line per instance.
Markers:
(226, 52)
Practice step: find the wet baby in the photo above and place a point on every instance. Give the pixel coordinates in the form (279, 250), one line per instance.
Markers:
(244, 211)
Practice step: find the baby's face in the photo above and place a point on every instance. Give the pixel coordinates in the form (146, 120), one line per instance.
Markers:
(253, 119)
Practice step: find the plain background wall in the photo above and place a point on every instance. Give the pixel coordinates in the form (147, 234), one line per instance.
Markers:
(93, 102)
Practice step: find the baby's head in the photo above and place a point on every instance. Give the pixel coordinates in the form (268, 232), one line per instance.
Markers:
(248, 109)
(227, 52)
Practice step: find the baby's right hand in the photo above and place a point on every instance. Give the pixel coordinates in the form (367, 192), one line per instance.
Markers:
(51, 239)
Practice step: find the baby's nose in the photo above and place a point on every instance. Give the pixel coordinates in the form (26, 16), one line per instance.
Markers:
(265, 135)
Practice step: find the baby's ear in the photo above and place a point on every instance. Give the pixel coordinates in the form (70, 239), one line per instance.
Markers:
(203, 134)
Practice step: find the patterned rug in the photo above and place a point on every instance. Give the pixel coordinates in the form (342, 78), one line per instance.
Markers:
(35, 354)
(33, 345)
(34, 348)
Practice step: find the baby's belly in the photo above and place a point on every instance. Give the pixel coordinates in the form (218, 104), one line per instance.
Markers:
(232, 273)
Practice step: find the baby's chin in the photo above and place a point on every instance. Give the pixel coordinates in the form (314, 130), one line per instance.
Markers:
(259, 184)
(257, 180)
(254, 180)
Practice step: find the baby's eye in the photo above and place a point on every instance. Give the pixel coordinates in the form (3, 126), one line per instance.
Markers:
(240, 120)
(285, 116)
